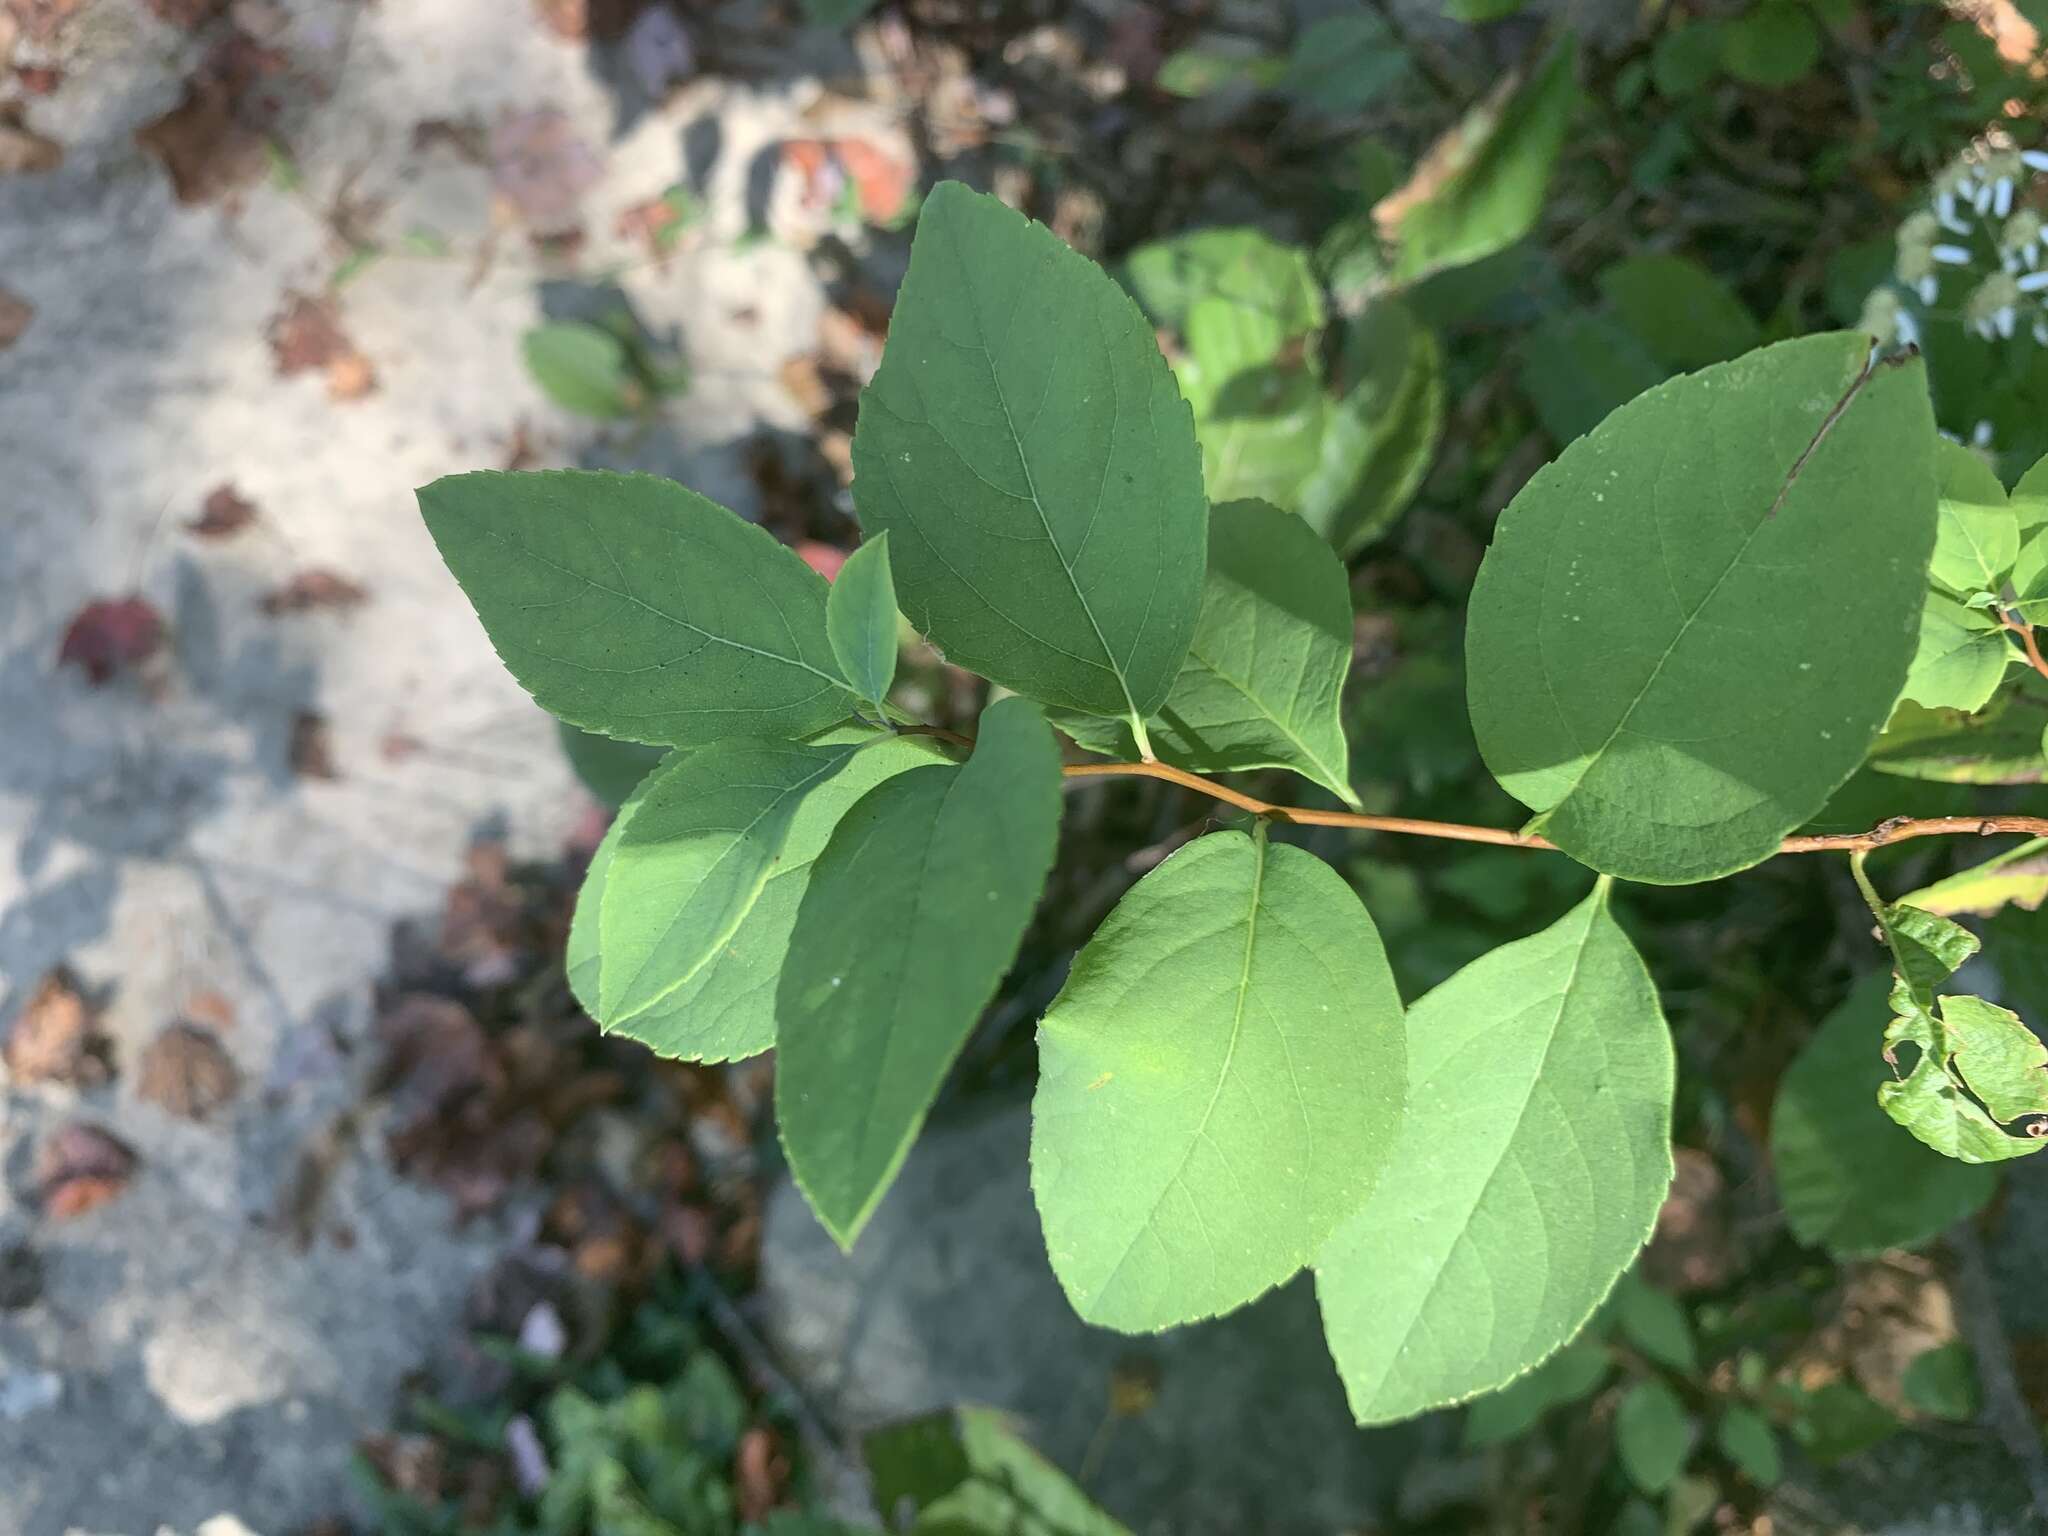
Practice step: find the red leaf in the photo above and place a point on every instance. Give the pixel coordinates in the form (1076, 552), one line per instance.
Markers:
(314, 589)
(79, 1168)
(111, 633)
(224, 511)
(825, 559)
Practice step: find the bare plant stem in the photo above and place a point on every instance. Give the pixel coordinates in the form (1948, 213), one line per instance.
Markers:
(2028, 643)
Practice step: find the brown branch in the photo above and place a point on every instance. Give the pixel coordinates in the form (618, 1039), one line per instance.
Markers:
(1897, 830)
(2032, 646)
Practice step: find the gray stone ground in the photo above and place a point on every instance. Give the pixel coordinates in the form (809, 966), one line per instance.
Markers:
(187, 1361)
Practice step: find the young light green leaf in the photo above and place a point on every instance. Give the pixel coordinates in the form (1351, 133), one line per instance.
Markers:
(1024, 441)
(964, 1472)
(583, 961)
(1219, 1083)
(1979, 535)
(913, 912)
(1683, 313)
(1572, 1373)
(1265, 671)
(1655, 1323)
(1849, 1181)
(1653, 1435)
(583, 368)
(1677, 651)
(2018, 877)
(1380, 436)
(1938, 1100)
(727, 1010)
(1539, 1122)
(695, 853)
(1260, 418)
(630, 606)
(1999, 744)
(1962, 657)
(1246, 267)
(860, 619)
(1746, 1438)
(1480, 188)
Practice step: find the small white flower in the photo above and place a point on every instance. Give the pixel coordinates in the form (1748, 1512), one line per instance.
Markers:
(2007, 320)
(2034, 159)
(1945, 211)
(2041, 332)
(2001, 197)
(1951, 255)
(1906, 330)
(2034, 282)
(1930, 289)
(1981, 436)
(1982, 201)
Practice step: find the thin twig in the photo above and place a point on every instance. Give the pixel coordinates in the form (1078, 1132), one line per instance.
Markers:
(1897, 830)
(2032, 646)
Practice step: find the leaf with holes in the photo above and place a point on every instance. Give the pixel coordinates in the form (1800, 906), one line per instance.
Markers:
(1653, 735)
(1265, 672)
(1539, 1121)
(913, 913)
(1025, 445)
(632, 607)
(1849, 1181)
(1219, 1083)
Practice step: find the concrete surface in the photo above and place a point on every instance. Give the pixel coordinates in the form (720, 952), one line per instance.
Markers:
(186, 1361)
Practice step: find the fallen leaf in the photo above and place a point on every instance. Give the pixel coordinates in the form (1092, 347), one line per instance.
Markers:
(110, 634)
(80, 1167)
(186, 1071)
(465, 137)
(213, 1009)
(15, 314)
(214, 140)
(577, 21)
(224, 511)
(306, 334)
(760, 1473)
(311, 748)
(541, 168)
(38, 79)
(57, 1039)
(312, 589)
(24, 152)
(882, 180)
(825, 559)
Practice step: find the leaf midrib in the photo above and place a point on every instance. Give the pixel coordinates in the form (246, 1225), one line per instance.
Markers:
(968, 287)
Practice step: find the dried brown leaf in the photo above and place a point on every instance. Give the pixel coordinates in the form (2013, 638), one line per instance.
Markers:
(315, 588)
(110, 634)
(224, 511)
(311, 748)
(15, 314)
(24, 152)
(80, 1167)
(187, 1072)
(57, 1038)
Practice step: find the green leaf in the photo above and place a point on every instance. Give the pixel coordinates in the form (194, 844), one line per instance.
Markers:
(1024, 441)
(1683, 313)
(1771, 45)
(860, 620)
(1574, 1372)
(630, 606)
(913, 913)
(611, 770)
(1380, 437)
(1219, 1084)
(1999, 744)
(963, 1472)
(1579, 368)
(1265, 672)
(582, 368)
(1961, 659)
(1687, 57)
(2018, 877)
(1195, 72)
(1837, 1421)
(1655, 1323)
(1849, 1181)
(1343, 63)
(1260, 418)
(1245, 266)
(1942, 1383)
(1483, 184)
(1539, 1122)
(699, 846)
(836, 13)
(1676, 652)
(1653, 1435)
(1978, 536)
(1746, 1438)
(1970, 1051)
(727, 1010)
